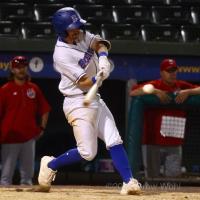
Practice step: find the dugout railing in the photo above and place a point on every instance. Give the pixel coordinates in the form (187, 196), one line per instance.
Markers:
(134, 131)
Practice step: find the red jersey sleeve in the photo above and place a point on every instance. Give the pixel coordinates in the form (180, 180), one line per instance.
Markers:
(186, 85)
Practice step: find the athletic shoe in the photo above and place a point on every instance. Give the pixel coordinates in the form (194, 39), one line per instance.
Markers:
(46, 175)
(131, 188)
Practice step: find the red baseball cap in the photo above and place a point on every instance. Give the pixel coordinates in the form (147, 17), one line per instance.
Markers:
(168, 65)
(19, 62)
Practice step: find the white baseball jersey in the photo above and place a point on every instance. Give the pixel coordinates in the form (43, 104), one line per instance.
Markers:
(89, 123)
(74, 61)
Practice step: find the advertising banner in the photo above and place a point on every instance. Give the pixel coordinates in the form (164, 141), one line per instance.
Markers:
(139, 67)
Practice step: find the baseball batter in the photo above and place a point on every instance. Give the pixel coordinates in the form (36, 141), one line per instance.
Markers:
(79, 56)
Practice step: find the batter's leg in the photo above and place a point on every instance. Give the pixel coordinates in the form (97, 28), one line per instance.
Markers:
(86, 149)
(109, 134)
(120, 161)
(70, 157)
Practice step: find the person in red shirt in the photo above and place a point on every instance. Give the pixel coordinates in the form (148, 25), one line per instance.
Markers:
(155, 141)
(23, 117)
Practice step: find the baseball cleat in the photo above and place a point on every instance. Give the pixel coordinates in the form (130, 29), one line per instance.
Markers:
(46, 175)
(131, 188)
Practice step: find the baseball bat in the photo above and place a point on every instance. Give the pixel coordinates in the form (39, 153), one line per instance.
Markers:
(92, 92)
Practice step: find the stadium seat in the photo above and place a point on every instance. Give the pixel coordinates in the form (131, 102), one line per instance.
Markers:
(134, 14)
(93, 28)
(97, 14)
(113, 2)
(18, 1)
(9, 29)
(17, 12)
(171, 2)
(149, 2)
(71, 3)
(189, 2)
(44, 12)
(166, 33)
(38, 30)
(49, 1)
(119, 32)
(176, 15)
(190, 33)
(195, 14)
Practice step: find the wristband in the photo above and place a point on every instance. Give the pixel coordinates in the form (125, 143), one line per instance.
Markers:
(93, 79)
(103, 53)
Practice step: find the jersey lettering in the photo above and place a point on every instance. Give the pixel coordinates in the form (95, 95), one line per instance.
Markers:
(86, 59)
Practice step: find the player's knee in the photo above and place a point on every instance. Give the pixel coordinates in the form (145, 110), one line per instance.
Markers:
(90, 157)
(88, 154)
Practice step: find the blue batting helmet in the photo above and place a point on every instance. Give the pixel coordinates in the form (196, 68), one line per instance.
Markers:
(66, 19)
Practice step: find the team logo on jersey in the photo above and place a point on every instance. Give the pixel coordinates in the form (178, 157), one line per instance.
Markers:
(86, 59)
(31, 93)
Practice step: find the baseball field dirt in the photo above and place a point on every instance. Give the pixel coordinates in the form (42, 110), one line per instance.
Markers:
(69, 192)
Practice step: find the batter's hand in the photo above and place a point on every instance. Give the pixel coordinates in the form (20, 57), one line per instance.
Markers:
(99, 76)
(182, 95)
(104, 66)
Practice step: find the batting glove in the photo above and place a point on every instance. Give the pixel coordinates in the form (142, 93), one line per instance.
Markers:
(104, 65)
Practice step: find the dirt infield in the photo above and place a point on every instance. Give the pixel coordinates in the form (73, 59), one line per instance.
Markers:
(164, 192)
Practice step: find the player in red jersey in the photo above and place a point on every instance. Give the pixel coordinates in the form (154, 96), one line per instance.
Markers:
(155, 140)
(21, 103)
